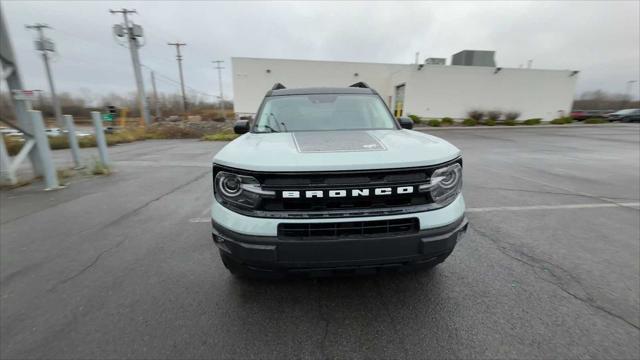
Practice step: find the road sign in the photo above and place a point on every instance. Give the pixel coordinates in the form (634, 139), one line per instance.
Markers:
(107, 117)
(29, 95)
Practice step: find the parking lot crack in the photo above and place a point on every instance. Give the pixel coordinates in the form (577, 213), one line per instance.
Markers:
(389, 313)
(120, 218)
(325, 321)
(550, 273)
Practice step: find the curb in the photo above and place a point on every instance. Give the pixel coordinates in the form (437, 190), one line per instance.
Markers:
(484, 127)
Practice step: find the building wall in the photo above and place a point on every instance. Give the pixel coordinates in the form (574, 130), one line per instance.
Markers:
(438, 91)
(251, 80)
(433, 91)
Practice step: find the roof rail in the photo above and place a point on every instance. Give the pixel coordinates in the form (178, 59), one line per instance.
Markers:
(278, 86)
(360, 84)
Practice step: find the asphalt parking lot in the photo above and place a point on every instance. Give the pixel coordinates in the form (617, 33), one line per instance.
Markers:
(123, 266)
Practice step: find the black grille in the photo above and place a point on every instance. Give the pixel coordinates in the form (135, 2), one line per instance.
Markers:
(351, 229)
(326, 206)
(347, 181)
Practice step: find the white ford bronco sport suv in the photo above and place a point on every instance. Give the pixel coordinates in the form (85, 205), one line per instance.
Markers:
(326, 180)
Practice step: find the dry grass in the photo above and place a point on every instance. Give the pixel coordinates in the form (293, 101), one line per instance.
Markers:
(221, 136)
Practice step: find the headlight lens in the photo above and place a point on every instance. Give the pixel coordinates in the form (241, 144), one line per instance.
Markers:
(239, 190)
(445, 184)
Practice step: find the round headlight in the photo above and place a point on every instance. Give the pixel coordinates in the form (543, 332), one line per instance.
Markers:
(230, 185)
(446, 184)
(449, 179)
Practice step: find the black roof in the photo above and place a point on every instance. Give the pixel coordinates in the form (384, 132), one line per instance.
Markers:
(321, 90)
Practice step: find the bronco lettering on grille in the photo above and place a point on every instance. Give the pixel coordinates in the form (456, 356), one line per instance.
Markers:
(344, 192)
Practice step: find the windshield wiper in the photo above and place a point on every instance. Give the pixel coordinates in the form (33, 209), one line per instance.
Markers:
(273, 116)
(270, 128)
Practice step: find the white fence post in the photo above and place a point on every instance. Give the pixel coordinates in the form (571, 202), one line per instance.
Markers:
(101, 142)
(73, 141)
(42, 147)
(6, 175)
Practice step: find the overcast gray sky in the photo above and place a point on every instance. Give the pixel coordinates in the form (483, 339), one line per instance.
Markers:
(601, 39)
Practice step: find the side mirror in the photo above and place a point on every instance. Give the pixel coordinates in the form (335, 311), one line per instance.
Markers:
(241, 127)
(405, 123)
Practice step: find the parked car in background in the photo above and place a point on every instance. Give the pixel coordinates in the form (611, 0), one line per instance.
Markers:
(586, 114)
(626, 115)
(53, 131)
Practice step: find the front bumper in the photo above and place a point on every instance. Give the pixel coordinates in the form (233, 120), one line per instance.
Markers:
(268, 252)
(272, 254)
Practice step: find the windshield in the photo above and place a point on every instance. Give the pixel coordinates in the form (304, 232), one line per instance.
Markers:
(323, 112)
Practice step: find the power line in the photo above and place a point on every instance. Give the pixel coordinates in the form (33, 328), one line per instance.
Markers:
(176, 82)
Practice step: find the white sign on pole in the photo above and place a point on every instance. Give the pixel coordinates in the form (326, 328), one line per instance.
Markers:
(29, 95)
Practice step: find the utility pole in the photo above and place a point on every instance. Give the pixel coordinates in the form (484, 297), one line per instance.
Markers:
(45, 45)
(132, 32)
(218, 62)
(179, 58)
(155, 95)
(629, 85)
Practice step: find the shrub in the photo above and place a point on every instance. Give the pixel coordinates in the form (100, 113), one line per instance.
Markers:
(511, 115)
(434, 123)
(171, 132)
(99, 168)
(532, 122)
(510, 122)
(489, 122)
(226, 135)
(594, 121)
(469, 122)
(562, 121)
(416, 119)
(13, 145)
(476, 115)
(494, 115)
(446, 121)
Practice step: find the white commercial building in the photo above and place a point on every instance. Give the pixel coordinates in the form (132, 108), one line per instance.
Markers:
(426, 90)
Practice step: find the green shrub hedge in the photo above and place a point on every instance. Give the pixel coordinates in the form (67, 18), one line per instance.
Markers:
(446, 121)
(532, 122)
(469, 122)
(434, 123)
(595, 121)
(562, 121)
(489, 122)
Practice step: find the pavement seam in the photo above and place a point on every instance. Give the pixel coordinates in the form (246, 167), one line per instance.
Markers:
(592, 196)
(536, 263)
(552, 193)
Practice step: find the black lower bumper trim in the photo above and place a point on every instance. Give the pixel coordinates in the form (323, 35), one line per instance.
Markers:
(268, 253)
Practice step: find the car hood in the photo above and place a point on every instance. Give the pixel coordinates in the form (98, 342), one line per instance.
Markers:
(335, 150)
